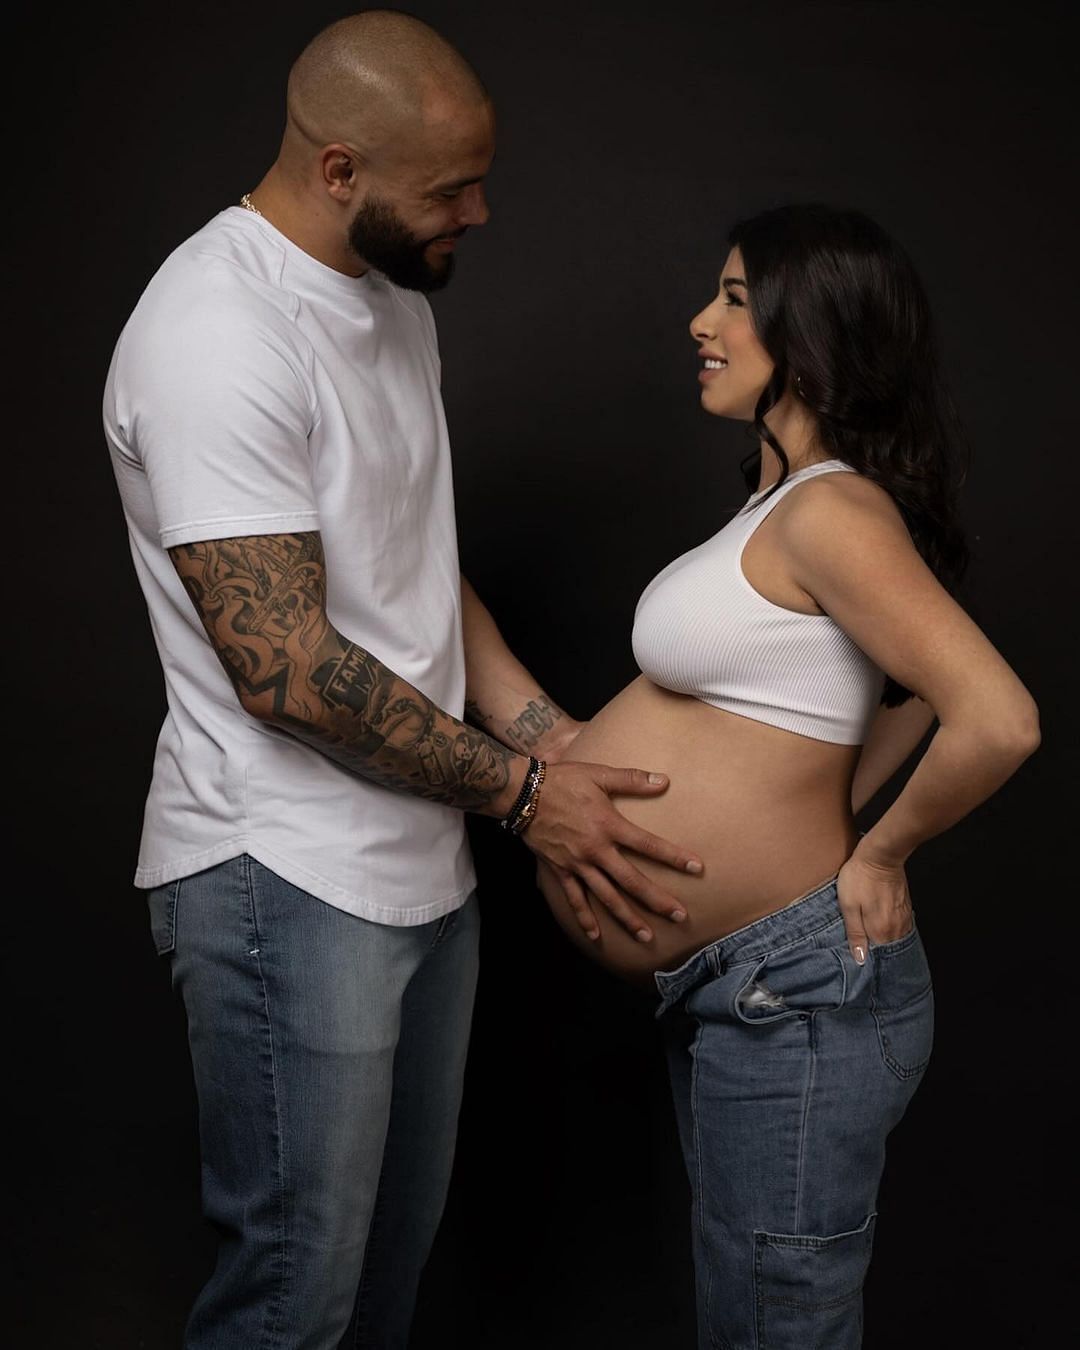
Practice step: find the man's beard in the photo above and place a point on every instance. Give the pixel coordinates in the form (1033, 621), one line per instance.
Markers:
(382, 239)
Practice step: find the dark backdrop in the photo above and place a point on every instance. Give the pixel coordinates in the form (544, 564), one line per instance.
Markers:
(629, 140)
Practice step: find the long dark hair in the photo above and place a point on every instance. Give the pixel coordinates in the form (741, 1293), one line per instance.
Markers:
(842, 313)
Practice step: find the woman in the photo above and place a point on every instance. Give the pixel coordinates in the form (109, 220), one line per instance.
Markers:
(790, 665)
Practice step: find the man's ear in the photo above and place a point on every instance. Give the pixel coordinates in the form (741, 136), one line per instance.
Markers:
(342, 173)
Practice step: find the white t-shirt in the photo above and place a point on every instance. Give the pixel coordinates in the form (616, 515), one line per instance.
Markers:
(255, 391)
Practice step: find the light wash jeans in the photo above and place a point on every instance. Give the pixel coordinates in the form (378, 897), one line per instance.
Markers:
(789, 1065)
(328, 1055)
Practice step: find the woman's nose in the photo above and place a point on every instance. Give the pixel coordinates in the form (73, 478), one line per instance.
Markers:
(702, 327)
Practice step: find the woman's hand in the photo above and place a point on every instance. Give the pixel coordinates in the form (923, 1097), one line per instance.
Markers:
(874, 900)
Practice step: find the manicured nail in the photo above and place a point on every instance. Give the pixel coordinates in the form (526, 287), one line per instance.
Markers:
(694, 866)
(657, 778)
(643, 935)
(595, 934)
(678, 915)
(860, 955)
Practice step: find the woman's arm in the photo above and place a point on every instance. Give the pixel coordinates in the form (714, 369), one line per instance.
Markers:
(850, 550)
(893, 737)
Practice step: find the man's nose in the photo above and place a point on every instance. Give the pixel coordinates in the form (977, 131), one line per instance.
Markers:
(474, 207)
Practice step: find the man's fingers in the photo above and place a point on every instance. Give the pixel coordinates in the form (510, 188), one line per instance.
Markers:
(638, 886)
(578, 901)
(617, 906)
(660, 850)
(630, 782)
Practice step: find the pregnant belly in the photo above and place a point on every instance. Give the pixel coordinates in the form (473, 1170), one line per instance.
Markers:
(767, 811)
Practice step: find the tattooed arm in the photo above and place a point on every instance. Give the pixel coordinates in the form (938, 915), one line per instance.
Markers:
(500, 694)
(262, 600)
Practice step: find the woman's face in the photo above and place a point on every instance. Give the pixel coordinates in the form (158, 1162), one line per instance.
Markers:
(735, 366)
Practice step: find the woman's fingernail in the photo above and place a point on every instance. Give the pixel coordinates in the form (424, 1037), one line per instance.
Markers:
(860, 955)
(643, 935)
(694, 866)
(594, 934)
(678, 915)
(656, 778)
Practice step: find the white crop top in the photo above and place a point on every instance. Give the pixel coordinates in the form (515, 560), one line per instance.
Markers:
(702, 629)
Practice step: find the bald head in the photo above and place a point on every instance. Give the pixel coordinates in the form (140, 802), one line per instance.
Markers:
(374, 80)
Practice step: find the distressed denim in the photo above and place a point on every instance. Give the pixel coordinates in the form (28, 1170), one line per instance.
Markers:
(790, 1064)
(328, 1055)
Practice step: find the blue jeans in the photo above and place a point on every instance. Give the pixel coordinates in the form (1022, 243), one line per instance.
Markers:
(789, 1066)
(328, 1055)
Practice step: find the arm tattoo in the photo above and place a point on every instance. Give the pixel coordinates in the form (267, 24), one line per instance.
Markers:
(262, 601)
(539, 716)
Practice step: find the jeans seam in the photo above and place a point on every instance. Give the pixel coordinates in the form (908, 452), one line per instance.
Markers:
(276, 1310)
(811, 1027)
(699, 1187)
(445, 924)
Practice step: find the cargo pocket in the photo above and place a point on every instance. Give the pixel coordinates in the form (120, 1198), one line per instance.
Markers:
(808, 1290)
(162, 903)
(903, 1004)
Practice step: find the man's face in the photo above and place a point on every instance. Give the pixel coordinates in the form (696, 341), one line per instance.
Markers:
(417, 208)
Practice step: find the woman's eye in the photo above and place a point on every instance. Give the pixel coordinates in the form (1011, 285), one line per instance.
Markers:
(732, 301)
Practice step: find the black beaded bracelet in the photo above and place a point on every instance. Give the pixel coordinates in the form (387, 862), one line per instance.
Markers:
(511, 821)
(521, 797)
(525, 815)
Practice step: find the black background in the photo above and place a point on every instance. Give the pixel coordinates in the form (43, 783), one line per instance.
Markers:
(629, 140)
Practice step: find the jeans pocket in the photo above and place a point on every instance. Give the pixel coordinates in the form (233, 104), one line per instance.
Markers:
(903, 1004)
(793, 983)
(162, 903)
(808, 1290)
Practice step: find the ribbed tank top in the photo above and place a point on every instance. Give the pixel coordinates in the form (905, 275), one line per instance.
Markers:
(701, 629)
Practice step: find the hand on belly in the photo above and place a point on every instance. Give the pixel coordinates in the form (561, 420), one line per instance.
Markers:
(766, 811)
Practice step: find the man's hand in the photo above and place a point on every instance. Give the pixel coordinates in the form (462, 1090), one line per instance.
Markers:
(581, 835)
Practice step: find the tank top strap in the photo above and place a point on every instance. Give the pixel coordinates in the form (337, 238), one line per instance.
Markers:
(749, 514)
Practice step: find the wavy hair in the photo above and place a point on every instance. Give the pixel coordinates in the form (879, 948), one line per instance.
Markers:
(840, 309)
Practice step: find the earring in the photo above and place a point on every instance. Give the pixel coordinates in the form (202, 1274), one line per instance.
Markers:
(798, 386)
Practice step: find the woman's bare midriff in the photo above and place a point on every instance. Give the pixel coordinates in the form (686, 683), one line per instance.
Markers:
(767, 811)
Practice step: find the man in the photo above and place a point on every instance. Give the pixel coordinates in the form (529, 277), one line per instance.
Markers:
(276, 429)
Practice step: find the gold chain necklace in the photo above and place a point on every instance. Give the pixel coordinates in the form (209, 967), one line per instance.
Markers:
(249, 205)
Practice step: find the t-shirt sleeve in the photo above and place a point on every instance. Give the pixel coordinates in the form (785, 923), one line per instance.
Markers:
(220, 410)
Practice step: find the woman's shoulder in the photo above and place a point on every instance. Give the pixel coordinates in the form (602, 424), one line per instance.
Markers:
(840, 507)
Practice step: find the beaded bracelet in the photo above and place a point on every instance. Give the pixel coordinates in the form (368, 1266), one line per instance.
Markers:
(524, 807)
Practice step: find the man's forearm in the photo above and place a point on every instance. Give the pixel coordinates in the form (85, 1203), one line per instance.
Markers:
(540, 728)
(262, 602)
(501, 696)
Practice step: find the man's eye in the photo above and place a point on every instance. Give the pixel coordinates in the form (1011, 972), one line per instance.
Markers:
(450, 196)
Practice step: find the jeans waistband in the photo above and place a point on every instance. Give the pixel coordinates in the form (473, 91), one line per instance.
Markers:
(801, 919)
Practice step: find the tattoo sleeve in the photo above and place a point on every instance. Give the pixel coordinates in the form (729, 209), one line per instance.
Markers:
(262, 601)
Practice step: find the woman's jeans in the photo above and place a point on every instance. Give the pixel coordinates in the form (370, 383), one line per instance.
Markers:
(790, 1064)
(328, 1054)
